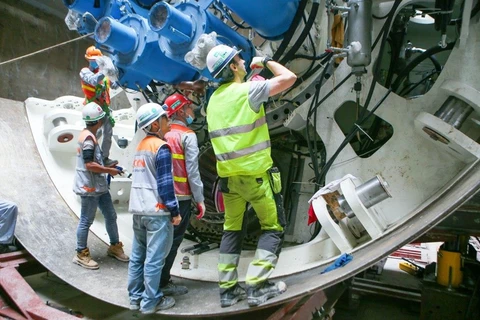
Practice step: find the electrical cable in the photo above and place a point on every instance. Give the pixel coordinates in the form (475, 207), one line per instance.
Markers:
(291, 30)
(424, 55)
(377, 67)
(311, 19)
(416, 84)
(46, 49)
(322, 174)
(307, 57)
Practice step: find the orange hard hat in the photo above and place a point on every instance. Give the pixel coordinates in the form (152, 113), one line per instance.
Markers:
(174, 102)
(92, 53)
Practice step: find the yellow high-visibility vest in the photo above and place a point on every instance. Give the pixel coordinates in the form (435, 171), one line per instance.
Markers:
(239, 135)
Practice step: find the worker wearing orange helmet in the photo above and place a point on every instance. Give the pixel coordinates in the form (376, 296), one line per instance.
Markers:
(95, 86)
(186, 177)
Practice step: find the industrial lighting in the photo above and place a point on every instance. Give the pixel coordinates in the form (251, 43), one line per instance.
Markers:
(422, 18)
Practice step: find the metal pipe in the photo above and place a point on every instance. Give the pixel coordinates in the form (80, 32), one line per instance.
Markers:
(170, 22)
(116, 35)
(370, 193)
(454, 111)
(60, 121)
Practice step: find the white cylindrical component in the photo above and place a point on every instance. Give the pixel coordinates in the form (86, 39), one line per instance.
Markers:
(370, 193)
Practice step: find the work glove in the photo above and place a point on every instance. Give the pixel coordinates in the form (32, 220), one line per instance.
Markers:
(201, 210)
(119, 170)
(99, 78)
(259, 62)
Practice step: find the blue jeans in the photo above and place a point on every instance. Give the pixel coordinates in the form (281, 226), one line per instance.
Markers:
(8, 220)
(178, 232)
(153, 237)
(87, 215)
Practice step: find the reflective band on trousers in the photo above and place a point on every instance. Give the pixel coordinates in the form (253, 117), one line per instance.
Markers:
(261, 267)
(240, 153)
(238, 129)
(227, 269)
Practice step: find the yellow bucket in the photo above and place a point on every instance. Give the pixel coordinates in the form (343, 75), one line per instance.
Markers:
(449, 268)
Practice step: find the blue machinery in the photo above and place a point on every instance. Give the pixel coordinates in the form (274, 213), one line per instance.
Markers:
(149, 40)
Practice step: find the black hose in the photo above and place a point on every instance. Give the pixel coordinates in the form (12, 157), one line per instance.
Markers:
(311, 19)
(355, 128)
(414, 85)
(306, 57)
(291, 30)
(415, 62)
(380, 56)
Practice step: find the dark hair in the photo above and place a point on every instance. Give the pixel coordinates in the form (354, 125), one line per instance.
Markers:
(227, 75)
(91, 123)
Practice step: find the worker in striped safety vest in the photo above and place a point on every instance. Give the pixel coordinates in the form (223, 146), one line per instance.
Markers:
(186, 177)
(96, 87)
(240, 138)
(90, 184)
(155, 212)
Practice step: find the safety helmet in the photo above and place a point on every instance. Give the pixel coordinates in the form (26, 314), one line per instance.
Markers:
(92, 112)
(175, 102)
(92, 53)
(219, 57)
(148, 113)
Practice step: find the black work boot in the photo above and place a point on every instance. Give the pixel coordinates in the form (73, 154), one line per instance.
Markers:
(7, 248)
(267, 290)
(172, 289)
(232, 296)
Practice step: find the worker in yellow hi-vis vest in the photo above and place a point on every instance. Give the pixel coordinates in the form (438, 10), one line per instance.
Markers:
(239, 133)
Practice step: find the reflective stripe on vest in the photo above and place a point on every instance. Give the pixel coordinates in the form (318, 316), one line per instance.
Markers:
(88, 183)
(97, 93)
(244, 152)
(144, 198)
(174, 138)
(238, 129)
(239, 135)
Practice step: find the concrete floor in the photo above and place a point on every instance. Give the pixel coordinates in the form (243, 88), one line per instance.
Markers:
(68, 299)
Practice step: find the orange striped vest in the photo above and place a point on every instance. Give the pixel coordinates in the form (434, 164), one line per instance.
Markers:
(174, 138)
(88, 183)
(144, 198)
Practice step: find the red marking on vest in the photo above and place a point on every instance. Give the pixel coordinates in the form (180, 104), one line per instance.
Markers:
(139, 163)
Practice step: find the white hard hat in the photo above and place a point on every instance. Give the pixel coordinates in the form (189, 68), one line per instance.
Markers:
(148, 113)
(219, 57)
(92, 112)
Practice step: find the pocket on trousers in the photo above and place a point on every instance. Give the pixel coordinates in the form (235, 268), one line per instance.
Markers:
(275, 180)
(223, 185)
